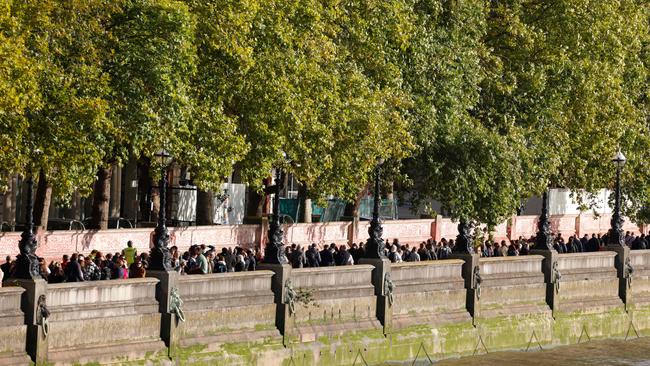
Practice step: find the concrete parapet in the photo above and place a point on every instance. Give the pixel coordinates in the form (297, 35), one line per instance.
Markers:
(103, 321)
(227, 308)
(429, 293)
(513, 303)
(13, 331)
(640, 280)
(589, 282)
(334, 301)
(327, 315)
(512, 285)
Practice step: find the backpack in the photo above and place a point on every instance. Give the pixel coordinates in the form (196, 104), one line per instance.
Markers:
(220, 267)
(444, 253)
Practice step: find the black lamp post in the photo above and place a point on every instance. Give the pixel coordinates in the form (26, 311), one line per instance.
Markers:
(615, 235)
(544, 239)
(464, 238)
(375, 244)
(160, 259)
(26, 262)
(274, 250)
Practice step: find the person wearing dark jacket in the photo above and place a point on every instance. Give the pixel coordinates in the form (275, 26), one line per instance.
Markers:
(297, 257)
(326, 257)
(640, 243)
(313, 256)
(73, 270)
(592, 245)
(342, 257)
(252, 262)
(424, 253)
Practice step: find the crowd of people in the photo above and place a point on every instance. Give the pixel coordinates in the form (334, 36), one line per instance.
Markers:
(202, 259)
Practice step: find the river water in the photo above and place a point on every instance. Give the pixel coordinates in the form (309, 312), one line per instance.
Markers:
(633, 352)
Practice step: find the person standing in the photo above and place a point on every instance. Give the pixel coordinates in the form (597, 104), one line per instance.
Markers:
(129, 253)
(6, 267)
(73, 270)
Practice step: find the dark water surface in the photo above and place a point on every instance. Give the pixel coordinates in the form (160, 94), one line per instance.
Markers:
(633, 352)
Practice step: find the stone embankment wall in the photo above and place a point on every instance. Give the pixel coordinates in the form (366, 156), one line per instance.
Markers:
(13, 331)
(331, 315)
(99, 321)
(53, 244)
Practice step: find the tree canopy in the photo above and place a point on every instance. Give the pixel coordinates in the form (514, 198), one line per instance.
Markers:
(482, 104)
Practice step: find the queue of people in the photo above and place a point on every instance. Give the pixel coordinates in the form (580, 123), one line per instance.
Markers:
(202, 259)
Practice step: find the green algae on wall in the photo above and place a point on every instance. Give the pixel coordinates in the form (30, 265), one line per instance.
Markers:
(580, 326)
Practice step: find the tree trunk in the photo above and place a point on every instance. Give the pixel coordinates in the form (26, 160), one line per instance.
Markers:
(255, 203)
(42, 202)
(101, 199)
(352, 213)
(305, 204)
(144, 190)
(352, 208)
(204, 208)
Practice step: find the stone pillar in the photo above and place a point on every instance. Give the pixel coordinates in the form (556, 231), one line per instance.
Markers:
(280, 283)
(578, 225)
(36, 338)
(551, 274)
(622, 261)
(437, 234)
(353, 231)
(471, 274)
(380, 278)
(116, 192)
(169, 321)
(511, 229)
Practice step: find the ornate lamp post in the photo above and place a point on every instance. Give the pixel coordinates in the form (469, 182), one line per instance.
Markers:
(375, 244)
(615, 234)
(26, 262)
(160, 259)
(274, 250)
(464, 239)
(544, 239)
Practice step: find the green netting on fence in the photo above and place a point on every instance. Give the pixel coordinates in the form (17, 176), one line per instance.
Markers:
(335, 209)
(387, 209)
(332, 212)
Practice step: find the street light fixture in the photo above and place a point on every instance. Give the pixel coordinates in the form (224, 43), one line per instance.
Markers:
(27, 266)
(544, 239)
(160, 259)
(274, 251)
(616, 232)
(375, 245)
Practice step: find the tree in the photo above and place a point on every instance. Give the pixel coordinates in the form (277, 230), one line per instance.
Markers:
(572, 75)
(515, 96)
(60, 141)
(474, 170)
(290, 77)
(18, 92)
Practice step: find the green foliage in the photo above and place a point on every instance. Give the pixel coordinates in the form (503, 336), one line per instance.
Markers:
(570, 74)
(289, 75)
(484, 103)
(18, 90)
(548, 93)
